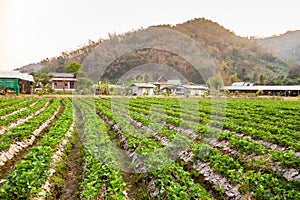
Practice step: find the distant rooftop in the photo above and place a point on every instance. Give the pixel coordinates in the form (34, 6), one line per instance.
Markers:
(144, 85)
(62, 75)
(263, 87)
(241, 84)
(199, 87)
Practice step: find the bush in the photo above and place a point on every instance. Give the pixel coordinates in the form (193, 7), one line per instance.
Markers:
(227, 92)
(259, 92)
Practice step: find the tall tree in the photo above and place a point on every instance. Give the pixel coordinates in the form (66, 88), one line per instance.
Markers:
(73, 68)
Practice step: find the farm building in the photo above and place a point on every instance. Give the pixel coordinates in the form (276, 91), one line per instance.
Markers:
(17, 81)
(283, 90)
(194, 90)
(140, 89)
(63, 81)
(163, 83)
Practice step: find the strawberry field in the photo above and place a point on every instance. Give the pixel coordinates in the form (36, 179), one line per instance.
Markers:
(149, 148)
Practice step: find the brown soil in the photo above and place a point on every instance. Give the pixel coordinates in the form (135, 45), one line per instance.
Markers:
(70, 186)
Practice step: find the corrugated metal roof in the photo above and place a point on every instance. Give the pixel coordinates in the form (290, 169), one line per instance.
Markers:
(62, 75)
(63, 79)
(16, 74)
(263, 87)
(144, 85)
(199, 87)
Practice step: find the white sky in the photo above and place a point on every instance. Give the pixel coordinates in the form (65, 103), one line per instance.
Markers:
(32, 30)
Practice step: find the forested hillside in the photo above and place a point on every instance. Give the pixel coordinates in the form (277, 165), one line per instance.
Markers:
(287, 47)
(238, 58)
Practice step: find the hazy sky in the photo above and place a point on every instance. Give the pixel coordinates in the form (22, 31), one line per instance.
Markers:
(35, 29)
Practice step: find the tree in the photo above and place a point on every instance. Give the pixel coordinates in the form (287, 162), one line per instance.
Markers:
(225, 73)
(294, 72)
(73, 68)
(262, 80)
(214, 83)
(84, 85)
(234, 78)
(103, 88)
(42, 77)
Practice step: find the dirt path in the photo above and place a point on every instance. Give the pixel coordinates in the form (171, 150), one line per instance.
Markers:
(74, 172)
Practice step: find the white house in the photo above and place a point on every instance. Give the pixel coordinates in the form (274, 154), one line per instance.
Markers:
(195, 90)
(140, 89)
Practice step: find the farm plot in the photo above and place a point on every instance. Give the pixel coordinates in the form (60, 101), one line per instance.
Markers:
(149, 148)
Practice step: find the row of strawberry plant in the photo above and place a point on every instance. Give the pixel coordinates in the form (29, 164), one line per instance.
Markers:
(245, 146)
(260, 185)
(11, 102)
(101, 174)
(282, 140)
(20, 115)
(25, 130)
(30, 174)
(274, 124)
(174, 121)
(170, 179)
(258, 111)
(276, 155)
(18, 108)
(164, 135)
(287, 159)
(270, 112)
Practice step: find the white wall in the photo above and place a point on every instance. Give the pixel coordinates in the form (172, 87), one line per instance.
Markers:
(194, 92)
(140, 91)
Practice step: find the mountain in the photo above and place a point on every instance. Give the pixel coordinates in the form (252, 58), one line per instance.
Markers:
(241, 57)
(286, 46)
(31, 68)
(238, 58)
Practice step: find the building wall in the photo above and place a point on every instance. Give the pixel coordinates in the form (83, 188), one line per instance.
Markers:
(141, 91)
(63, 85)
(194, 92)
(25, 87)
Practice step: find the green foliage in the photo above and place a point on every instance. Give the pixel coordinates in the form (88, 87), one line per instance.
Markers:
(73, 68)
(85, 84)
(227, 92)
(214, 83)
(42, 77)
(259, 92)
(102, 88)
(249, 161)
